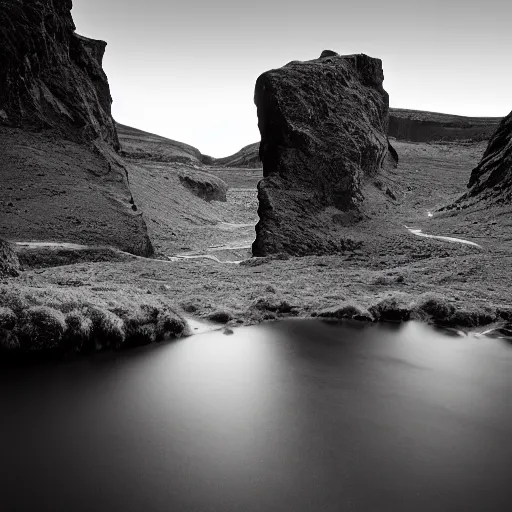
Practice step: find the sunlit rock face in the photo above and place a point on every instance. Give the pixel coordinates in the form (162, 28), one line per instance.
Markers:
(9, 264)
(492, 178)
(56, 124)
(323, 126)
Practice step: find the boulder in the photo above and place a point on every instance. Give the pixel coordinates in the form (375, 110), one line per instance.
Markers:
(62, 179)
(204, 185)
(9, 264)
(323, 126)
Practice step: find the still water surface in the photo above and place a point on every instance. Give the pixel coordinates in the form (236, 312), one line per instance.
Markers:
(294, 416)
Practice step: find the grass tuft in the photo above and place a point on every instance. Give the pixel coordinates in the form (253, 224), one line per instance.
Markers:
(391, 309)
(8, 319)
(220, 316)
(435, 306)
(78, 331)
(40, 328)
(346, 310)
(107, 329)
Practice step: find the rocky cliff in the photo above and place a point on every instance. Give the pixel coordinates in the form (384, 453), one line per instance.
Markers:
(419, 126)
(323, 126)
(492, 177)
(62, 178)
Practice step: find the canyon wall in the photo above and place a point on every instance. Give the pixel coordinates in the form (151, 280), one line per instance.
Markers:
(62, 178)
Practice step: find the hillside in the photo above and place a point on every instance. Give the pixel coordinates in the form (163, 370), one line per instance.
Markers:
(62, 179)
(247, 157)
(140, 145)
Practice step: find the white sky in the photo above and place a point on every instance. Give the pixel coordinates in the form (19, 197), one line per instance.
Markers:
(186, 69)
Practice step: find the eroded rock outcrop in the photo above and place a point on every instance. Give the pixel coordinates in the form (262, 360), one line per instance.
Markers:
(9, 264)
(323, 126)
(60, 172)
(203, 185)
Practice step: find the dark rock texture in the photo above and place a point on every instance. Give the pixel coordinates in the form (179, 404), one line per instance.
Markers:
(323, 126)
(204, 185)
(50, 76)
(493, 175)
(9, 264)
(61, 176)
(419, 126)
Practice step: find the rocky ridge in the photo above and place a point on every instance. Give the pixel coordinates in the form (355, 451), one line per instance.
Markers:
(421, 126)
(324, 144)
(62, 175)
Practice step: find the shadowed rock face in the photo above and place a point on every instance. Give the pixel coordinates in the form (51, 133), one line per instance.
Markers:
(9, 264)
(323, 126)
(493, 175)
(50, 76)
(56, 124)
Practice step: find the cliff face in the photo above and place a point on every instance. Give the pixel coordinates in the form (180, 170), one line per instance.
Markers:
(56, 124)
(492, 177)
(323, 126)
(419, 126)
(50, 76)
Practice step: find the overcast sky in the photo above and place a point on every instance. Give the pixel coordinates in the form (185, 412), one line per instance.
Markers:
(186, 69)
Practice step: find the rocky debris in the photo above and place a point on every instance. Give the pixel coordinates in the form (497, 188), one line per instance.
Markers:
(204, 185)
(56, 124)
(323, 126)
(9, 264)
(419, 126)
(493, 175)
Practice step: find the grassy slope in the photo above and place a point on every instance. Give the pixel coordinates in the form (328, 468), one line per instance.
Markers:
(57, 190)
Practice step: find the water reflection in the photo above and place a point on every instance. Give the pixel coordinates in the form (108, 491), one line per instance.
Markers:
(299, 415)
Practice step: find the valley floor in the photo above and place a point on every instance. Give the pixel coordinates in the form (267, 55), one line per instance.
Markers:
(389, 262)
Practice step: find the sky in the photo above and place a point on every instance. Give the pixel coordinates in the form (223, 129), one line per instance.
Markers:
(186, 69)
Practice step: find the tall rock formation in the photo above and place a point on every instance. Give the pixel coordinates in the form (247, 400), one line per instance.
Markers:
(492, 178)
(61, 176)
(323, 126)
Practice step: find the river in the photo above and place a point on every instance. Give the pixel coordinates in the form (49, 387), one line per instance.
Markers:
(291, 416)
